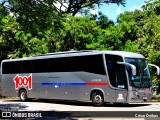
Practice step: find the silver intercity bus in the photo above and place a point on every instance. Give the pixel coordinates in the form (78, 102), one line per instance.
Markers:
(99, 76)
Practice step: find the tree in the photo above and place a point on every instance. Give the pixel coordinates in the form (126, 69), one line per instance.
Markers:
(8, 27)
(102, 20)
(37, 15)
(152, 7)
(130, 23)
(41, 22)
(78, 33)
(148, 35)
(75, 6)
(61, 6)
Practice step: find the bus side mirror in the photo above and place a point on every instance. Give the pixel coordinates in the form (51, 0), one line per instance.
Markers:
(133, 68)
(158, 69)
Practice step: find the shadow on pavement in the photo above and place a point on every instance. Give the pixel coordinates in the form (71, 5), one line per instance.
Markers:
(80, 103)
(12, 107)
(127, 105)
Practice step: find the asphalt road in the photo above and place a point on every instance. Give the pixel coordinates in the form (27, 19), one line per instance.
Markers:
(51, 109)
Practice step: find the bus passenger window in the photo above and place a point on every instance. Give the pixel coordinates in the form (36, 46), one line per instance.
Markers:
(40, 65)
(27, 66)
(17, 67)
(94, 64)
(6, 68)
(56, 65)
(74, 64)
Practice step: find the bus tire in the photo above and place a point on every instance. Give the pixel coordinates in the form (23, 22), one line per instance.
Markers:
(23, 95)
(97, 99)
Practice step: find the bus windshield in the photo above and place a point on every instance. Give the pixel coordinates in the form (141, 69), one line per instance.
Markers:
(142, 78)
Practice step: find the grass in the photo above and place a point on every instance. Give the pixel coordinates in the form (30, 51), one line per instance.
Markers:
(155, 98)
(2, 97)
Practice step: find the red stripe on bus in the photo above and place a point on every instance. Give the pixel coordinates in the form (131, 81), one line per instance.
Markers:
(96, 83)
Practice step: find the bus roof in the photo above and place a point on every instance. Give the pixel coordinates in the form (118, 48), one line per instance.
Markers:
(80, 53)
(125, 54)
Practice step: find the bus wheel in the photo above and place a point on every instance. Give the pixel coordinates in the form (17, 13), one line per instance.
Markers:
(23, 95)
(97, 99)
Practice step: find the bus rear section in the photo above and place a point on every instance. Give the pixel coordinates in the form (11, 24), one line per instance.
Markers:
(71, 77)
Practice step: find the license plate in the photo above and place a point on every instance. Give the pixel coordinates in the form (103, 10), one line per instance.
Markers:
(144, 98)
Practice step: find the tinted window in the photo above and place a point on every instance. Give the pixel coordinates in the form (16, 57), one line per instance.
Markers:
(74, 64)
(56, 65)
(116, 72)
(17, 67)
(94, 64)
(40, 65)
(6, 67)
(27, 66)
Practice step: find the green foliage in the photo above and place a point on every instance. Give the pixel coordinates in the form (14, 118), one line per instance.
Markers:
(130, 46)
(8, 28)
(149, 36)
(27, 8)
(152, 7)
(78, 33)
(38, 27)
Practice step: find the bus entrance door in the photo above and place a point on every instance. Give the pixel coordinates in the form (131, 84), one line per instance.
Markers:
(121, 96)
(121, 85)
